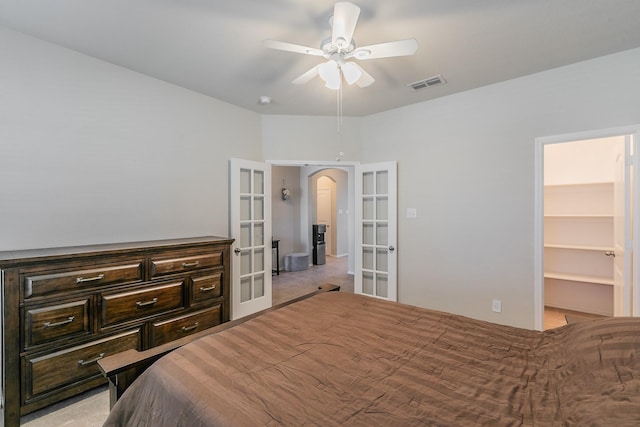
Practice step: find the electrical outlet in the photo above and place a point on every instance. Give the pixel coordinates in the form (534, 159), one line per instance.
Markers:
(496, 305)
(412, 213)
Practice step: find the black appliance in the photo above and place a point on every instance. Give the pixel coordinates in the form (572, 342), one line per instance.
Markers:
(319, 253)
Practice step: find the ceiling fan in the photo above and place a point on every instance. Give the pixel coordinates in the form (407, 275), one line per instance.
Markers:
(340, 48)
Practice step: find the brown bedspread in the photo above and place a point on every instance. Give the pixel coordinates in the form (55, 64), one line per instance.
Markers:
(343, 359)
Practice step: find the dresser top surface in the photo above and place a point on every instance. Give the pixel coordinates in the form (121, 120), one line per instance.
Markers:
(29, 255)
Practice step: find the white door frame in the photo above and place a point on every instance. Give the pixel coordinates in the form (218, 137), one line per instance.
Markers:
(538, 237)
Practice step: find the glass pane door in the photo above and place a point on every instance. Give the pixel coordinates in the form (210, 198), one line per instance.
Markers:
(251, 226)
(376, 233)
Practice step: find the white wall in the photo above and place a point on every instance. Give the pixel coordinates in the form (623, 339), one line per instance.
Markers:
(466, 162)
(95, 153)
(286, 213)
(310, 138)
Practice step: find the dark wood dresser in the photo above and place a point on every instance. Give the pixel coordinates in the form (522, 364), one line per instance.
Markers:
(63, 309)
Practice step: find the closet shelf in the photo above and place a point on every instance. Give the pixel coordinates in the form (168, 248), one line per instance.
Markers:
(579, 278)
(573, 185)
(579, 216)
(580, 247)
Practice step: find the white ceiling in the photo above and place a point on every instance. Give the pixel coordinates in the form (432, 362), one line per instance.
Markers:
(214, 46)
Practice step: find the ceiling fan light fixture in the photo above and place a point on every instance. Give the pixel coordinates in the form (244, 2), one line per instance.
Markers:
(351, 73)
(334, 85)
(330, 73)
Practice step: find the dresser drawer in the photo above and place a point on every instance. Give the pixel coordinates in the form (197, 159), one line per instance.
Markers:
(172, 329)
(55, 370)
(47, 283)
(141, 303)
(206, 287)
(48, 323)
(162, 267)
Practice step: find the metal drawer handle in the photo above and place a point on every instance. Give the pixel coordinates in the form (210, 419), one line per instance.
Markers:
(91, 361)
(64, 322)
(190, 328)
(209, 289)
(141, 304)
(90, 279)
(190, 264)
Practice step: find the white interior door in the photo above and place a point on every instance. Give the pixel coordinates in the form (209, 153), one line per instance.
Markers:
(621, 231)
(376, 230)
(250, 221)
(634, 189)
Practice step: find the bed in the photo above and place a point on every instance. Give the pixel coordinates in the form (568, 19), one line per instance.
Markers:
(349, 360)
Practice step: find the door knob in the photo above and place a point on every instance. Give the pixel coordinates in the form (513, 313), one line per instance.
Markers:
(610, 253)
(391, 249)
(237, 251)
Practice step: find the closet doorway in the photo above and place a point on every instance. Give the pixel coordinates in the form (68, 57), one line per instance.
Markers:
(581, 181)
(585, 211)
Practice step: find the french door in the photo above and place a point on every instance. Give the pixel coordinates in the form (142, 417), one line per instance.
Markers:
(250, 222)
(376, 230)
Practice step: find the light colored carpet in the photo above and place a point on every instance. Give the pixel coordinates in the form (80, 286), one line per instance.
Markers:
(89, 409)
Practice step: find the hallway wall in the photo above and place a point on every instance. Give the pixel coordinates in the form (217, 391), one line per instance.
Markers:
(286, 213)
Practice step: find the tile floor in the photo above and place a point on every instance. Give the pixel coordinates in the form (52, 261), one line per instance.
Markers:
(288, 285)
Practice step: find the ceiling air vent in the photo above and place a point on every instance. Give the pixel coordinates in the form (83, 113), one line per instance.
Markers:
(428, 82)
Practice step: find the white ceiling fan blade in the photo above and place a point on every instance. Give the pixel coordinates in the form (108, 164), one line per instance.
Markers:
(351, 72)
(386, 50)
(330, 73)
(309, 75)
(290, 47)
(345, 18)
(365, 78)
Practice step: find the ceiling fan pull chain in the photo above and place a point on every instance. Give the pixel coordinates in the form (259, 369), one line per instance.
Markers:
(338, 109)
(339, 119)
